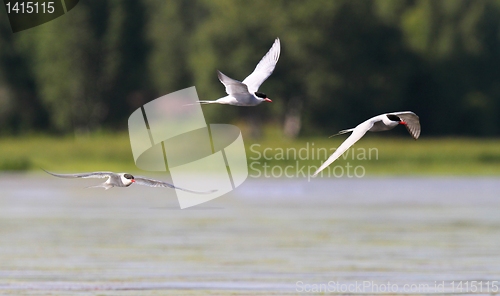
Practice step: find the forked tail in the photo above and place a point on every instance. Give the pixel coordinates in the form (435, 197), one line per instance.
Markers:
(200, 103)
(342, 132)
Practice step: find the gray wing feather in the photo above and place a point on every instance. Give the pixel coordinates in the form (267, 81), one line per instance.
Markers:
(155, 183)
(233, 86)
(357, 133)
(82, 175)
(412, 122)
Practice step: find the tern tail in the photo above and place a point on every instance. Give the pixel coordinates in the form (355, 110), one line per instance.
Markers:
(200, 103)
(206, 102)
(342, 132)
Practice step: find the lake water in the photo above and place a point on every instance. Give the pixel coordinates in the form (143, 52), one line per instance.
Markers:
(406, 235)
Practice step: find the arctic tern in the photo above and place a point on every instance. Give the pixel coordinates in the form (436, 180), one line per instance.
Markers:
(378, 123)
(123, 180)
(246, 93)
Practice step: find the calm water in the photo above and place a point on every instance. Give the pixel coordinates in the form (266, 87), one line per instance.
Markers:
(268, 237)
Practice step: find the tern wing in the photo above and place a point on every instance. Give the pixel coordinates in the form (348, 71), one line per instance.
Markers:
(412, 122)
(264, 68)
(155, 183)
(233, 86)
(357, 133)
(83, 175)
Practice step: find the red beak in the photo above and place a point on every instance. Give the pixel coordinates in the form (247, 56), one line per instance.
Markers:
(268, 100)
(133, 181)
(403, 122)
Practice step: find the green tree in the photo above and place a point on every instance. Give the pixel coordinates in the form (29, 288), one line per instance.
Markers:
(19, 106)
(459, 40)
(88, 63)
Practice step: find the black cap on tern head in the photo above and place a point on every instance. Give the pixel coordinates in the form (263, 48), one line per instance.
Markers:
(128, 176)
(261, 95)
(393, 117)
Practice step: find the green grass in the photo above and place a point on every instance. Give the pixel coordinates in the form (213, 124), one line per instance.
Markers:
(396, 156)
(70, 153)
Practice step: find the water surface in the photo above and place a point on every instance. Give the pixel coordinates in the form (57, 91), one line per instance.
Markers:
(269, 237)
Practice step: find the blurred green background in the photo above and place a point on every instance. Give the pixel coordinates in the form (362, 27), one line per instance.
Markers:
(67, 87)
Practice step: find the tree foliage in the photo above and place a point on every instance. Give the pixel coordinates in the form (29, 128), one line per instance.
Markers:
(342, 61)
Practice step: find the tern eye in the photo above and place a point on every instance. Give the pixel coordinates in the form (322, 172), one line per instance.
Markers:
(261, 95)
(128, 176)
(393, 117)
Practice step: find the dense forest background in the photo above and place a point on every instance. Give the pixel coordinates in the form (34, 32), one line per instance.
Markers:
(341, 62)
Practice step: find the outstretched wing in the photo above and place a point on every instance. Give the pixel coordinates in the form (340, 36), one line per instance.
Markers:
(412, 122)
(264, 68)
(357, 133)
(82, 175)
(233, 86)
(155, 183)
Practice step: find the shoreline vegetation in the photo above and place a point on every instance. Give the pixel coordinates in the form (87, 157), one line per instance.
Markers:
(269, 156)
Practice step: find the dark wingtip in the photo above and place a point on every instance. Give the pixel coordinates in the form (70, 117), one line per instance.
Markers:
(339, 133)
(47, 171)
(193, 191)
(205, 192)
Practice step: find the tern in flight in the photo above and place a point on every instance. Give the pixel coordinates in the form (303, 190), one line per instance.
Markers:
(124, 180)
(246, 93)
(378, 123)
